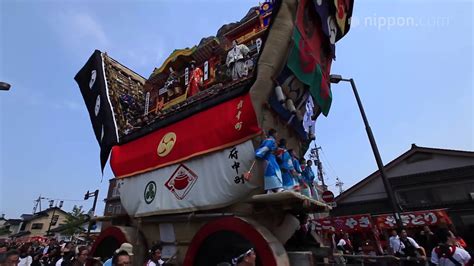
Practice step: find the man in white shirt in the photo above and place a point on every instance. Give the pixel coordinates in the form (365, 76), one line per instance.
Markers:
(394, 243)
(345, 244)
(447, 254)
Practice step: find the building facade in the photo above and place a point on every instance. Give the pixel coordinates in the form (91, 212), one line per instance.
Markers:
(421, 179)
(113, 206)
(40, 223)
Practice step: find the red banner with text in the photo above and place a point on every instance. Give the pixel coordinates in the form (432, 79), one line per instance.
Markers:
(214, 129)
(349, 224)
(413, 219)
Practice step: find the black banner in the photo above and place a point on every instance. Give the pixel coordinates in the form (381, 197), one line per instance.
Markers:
(92, 82)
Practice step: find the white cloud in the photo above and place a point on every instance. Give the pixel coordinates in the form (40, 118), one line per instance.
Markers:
(86, 28)
(68, 106)
(78, 31)
(143, 56)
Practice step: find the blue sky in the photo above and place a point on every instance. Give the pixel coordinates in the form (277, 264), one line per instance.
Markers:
(411, 60)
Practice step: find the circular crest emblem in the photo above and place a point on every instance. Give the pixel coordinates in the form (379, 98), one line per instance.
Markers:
(97, 105)
(150, 192)
(93, 77)
(166, 144)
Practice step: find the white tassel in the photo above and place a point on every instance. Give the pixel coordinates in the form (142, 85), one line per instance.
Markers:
(279, 94)
(290, 106)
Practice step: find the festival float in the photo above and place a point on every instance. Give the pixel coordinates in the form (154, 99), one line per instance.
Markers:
(182, 142)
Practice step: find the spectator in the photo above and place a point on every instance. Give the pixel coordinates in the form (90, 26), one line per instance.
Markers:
(67, 259)
(3, 252)
(25, 258)
(394, 243)
(66, 253)
(460, 243)
(409, 248)
(54, 255)
(127, 247)
(446, 253)
(345, 244)
(12, 258)
(426, 238)
(241, 254)
(121, 259)
(82, 253)
(155, 256)
(37, 255)
(247, 258)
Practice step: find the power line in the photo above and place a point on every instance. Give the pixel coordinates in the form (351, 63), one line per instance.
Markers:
(37, 202)
(69, 199)
(329, 163)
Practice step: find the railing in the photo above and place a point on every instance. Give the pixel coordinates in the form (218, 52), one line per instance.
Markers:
(344, 259)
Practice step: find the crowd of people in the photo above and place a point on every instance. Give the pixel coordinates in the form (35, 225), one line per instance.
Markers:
(38, 253)
(284, 170)
(443, 248)
(425, 248)
(54, 253)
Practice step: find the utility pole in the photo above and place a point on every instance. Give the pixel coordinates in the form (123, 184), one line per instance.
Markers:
(388, 188)
(38, 203)
(339, 184)
(315, 156)
(51, 204)
(86, 197)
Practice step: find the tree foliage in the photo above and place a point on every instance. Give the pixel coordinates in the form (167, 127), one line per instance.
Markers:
(4, 231)
(74, 221)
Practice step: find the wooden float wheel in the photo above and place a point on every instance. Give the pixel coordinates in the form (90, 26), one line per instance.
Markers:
(220, 241)
(111, 238)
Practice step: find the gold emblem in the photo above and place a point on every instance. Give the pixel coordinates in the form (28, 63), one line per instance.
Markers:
(166, 144)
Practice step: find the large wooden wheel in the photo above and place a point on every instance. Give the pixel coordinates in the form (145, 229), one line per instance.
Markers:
(217, 241)
(111, 238)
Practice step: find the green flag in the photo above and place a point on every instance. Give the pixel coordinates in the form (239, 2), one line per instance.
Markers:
(304, 62)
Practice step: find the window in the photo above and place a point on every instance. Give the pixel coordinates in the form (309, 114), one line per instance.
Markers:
(116, 190)
(110, 209)
(415, 196)
(436, 194)
(117, 209)
(36, 226)
(449, 193)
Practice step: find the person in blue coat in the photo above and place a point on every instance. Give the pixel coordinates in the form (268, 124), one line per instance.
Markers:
(308, 176)
(272, 177)
(297, 174)
(286, 165)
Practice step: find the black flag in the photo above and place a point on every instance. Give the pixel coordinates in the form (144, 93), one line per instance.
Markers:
(92, 82)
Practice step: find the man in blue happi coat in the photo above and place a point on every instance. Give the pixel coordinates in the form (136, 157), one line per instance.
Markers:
(286, 165)
(266, 151)
(297, 174)
(308, 176)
